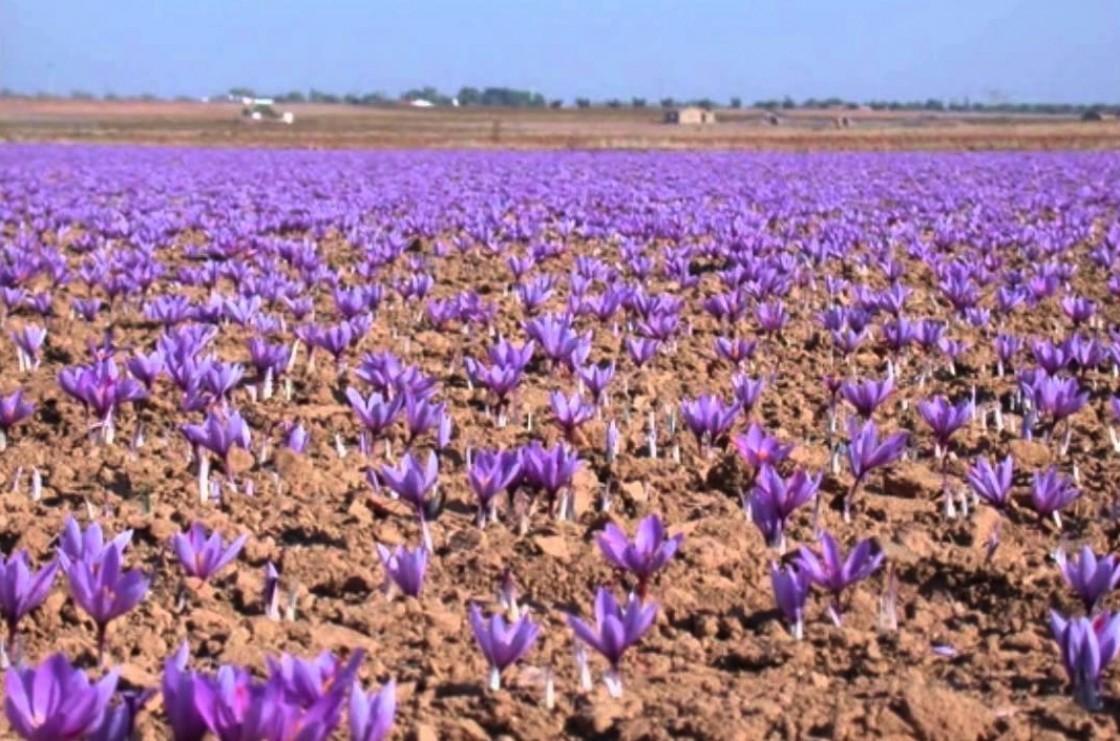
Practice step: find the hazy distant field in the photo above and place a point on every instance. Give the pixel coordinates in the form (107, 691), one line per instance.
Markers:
(351, 127)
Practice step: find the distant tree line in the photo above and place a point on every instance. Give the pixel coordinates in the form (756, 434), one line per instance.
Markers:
(506, 97)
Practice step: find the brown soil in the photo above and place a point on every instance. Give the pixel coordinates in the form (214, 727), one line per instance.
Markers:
(718, 664)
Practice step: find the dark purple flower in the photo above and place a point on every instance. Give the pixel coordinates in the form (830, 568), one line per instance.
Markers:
(1078, 308)
(758, 448)
(641, 349)
(177, 686)
(502, 644)
(944, 419)
(834, 573)
(405, 568)
(146, 368)
(708, 418)
(376, 413)
(204, 555)
(421, 415)
(791, 590)
(233, 706)
(992, 484)
(649, 552)
(1089, 577)
(89, 546)
(596, 378)
(22, 590)
(417, 485)
(774, 499)
(371, 715)
(55, 700)
(490, 474)
(219, 434)
(13, 410)
(866, 453)
(772, 317)
(1058, 397)
(615, 630)
(866, 396)
(1051, 493)
(747, 390)
(29, 341)
(570, 412)
(118, 722)
(104, 591)
(550, 470)
(1087, 646)
(735, 350)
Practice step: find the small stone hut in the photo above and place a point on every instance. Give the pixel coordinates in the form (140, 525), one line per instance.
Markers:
(690, 116)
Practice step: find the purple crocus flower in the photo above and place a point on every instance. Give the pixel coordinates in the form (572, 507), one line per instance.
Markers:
(29, 341)
(146, 368)
(735, 350)
(88, 546)
(570, 412)
(404, 568)
(774, 499)
(834, 573)
(708, 418)
(1089, 577)
(104, 591)
(747, 391)
(490, 474)
(101, 388)
(866, 453)
(550, 470)
(233, 706)
(220, 379)
(371, 715)
(615, 631)
(1051, 493)
(376, 413)
(944, 419)
(502, 644)
(759, 449)
(1058, 398)
(1087, 646)
(1006, 347)
(1078, 308)
(420, 415)
(13, 410)
(791, 590)
(55, 700)
(119, 720)
(596, 378)
(204, 555)
(992, 484)
(649, 552)
(772, 317)
(866, 396)
(177, 686)
(416, 484)
(641, 349)
(219, 434)
(307, 682)
(87, 308)
(297, 438)
(22, 590)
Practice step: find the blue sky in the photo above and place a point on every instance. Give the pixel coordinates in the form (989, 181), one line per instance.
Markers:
(1024, 50)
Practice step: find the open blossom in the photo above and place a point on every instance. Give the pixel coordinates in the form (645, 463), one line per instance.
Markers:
(203, 555)
(647, 554)
(503, 644)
